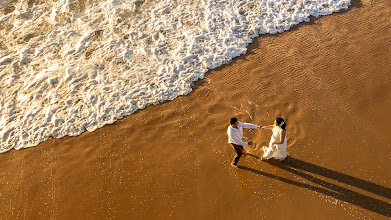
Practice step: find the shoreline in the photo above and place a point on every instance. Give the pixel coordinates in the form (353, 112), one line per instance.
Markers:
(251, 46)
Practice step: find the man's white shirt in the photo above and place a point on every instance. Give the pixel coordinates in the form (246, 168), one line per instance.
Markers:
(235, 135)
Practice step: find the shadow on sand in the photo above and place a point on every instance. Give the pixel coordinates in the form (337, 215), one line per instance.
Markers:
(294, 166)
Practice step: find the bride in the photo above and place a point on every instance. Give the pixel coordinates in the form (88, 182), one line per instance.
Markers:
(277, 144)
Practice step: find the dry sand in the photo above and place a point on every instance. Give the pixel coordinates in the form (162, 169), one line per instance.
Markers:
(330, 79)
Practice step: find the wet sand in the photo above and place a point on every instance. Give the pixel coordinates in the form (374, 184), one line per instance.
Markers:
(329, 78)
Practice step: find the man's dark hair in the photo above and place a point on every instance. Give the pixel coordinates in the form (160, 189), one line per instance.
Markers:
(233, 121)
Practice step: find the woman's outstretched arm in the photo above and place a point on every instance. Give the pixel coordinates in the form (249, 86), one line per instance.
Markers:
(266, 127)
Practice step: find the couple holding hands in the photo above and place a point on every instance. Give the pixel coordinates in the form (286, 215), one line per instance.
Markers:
(277, 144)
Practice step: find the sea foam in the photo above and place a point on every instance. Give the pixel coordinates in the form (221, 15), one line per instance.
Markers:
(69, 66)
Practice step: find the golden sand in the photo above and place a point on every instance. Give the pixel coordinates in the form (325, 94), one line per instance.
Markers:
(329, 79)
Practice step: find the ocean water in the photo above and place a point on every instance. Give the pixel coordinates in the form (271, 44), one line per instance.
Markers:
(68, 66)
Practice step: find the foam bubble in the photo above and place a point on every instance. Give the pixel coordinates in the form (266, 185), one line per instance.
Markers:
(70, 66)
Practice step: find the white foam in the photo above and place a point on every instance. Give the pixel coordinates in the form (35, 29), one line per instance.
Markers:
(67, 67)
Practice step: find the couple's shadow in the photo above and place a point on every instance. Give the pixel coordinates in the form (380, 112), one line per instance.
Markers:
(297, 167)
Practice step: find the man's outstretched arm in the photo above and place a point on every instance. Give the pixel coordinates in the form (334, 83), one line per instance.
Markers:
(249, 125)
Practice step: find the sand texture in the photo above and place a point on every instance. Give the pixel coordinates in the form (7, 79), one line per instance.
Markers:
(329, 79)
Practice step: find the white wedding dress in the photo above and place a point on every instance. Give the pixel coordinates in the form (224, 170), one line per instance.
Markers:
(277, 151)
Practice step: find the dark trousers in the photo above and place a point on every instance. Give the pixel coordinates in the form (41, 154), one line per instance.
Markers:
(238, 149)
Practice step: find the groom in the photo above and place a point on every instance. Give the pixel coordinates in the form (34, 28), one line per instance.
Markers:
(235, 135)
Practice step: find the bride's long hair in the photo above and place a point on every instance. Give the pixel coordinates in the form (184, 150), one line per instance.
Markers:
(281, 123)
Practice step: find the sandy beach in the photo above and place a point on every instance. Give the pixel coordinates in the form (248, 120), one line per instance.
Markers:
(328, 78)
